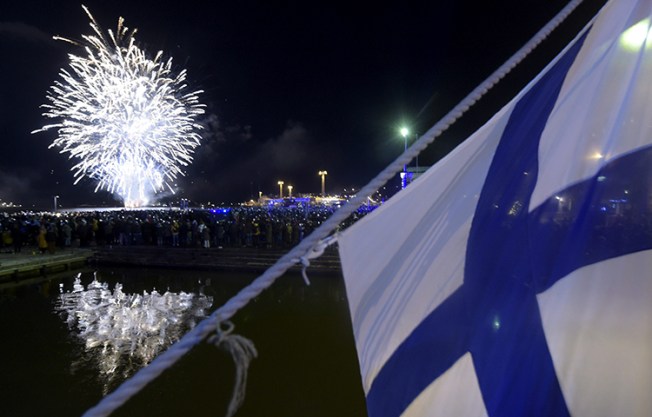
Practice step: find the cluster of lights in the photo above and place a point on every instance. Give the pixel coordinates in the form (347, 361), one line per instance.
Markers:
(9, 204)
(127, 118)
(322, 174)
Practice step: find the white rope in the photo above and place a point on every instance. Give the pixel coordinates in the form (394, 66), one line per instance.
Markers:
(314, 252)
(139, 380)
(243, 351)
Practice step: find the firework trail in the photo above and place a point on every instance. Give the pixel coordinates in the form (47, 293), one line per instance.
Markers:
(126, 118)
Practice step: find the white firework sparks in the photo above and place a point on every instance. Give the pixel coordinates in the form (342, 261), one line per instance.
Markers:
(127, 118)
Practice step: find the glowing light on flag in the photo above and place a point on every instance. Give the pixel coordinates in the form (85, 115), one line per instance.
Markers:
(636, 36)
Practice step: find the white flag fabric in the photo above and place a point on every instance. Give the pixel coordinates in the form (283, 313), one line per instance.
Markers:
(514, 278)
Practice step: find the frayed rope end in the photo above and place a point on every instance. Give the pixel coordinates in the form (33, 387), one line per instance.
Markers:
(243, 351)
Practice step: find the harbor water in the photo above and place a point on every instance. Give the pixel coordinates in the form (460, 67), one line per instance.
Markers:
(70, 339)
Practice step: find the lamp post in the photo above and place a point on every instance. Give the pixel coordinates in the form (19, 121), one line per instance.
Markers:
(56, 198)
(280, 188)
(323, 182)
(404, 132)
(290, 191)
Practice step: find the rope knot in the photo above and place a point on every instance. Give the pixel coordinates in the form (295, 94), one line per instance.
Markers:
(315, 252)
(222, 330)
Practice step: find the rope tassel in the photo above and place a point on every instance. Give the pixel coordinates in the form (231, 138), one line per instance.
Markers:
(243, 351)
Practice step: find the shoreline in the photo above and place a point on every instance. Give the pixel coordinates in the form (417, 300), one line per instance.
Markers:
(15, 267)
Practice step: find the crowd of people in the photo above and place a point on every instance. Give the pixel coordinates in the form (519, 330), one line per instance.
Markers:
(259, 227)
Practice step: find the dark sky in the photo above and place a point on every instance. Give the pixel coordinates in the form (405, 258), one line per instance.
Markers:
(290, 89)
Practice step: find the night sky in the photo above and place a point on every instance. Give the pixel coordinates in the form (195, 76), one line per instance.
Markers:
(290, 89)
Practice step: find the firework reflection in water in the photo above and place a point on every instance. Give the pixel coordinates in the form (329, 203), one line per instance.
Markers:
(124, 332)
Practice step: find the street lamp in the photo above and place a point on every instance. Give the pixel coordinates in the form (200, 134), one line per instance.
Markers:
(323, 182)
(290, 191)
(404, 132)
(280, 188)
(56, 197)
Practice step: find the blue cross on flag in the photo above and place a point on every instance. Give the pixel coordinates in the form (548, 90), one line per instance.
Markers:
(514, 278)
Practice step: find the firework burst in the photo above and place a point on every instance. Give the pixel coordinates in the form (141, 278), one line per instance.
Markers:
(126, 118)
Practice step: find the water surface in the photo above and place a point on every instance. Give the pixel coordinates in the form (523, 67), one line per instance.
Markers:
(56, 363)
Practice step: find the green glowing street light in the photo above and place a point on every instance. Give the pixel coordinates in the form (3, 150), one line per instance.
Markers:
(404, 132)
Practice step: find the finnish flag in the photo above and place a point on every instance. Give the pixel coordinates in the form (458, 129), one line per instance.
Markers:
(514, 278)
